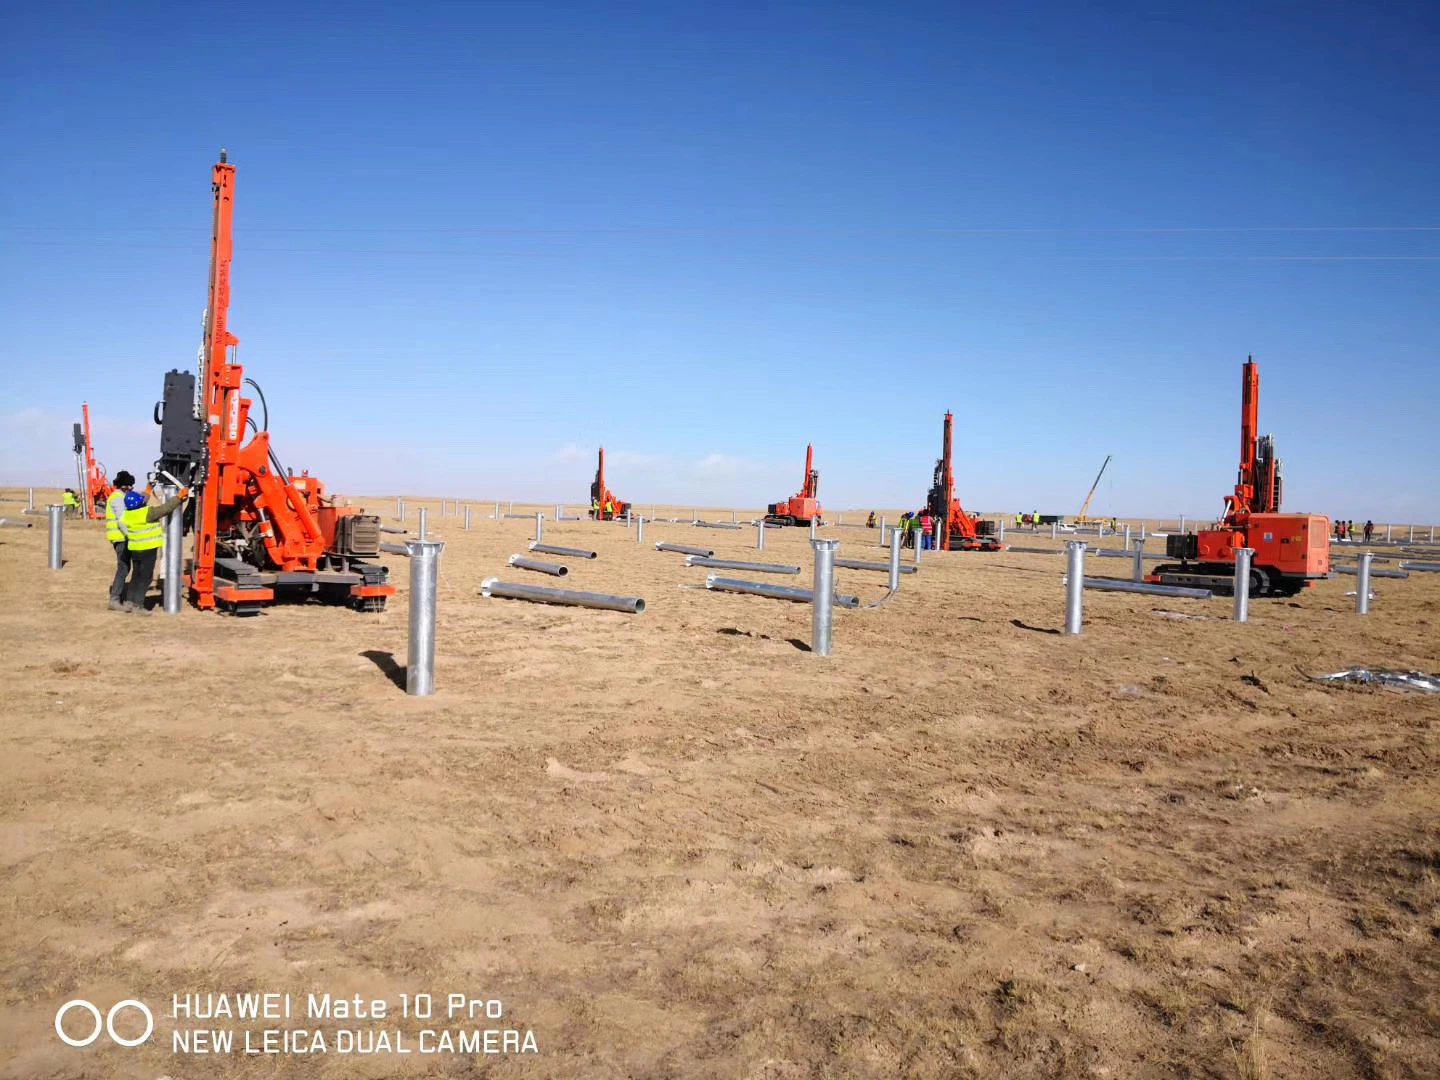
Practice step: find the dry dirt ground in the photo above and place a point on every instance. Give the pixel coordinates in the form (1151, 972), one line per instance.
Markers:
(679, 845)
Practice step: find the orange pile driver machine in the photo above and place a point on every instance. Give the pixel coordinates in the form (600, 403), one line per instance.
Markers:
(1291, 550)
(91, 473)
(803, 507)
(261, 533)
(958, 530)
(604, 506)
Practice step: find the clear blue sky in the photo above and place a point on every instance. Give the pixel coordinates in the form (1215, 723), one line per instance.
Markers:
(474, 241)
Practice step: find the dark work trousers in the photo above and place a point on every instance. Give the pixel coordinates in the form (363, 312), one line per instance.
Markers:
(122, 571)
(142, 568)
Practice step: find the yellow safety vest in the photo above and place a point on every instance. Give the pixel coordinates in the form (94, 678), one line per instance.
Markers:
(114, 507)
(69, 500)
(141, 535)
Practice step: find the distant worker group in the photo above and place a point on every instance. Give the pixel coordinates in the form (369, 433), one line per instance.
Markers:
(1345, 530)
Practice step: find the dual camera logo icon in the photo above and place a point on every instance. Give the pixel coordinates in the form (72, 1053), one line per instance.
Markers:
(107, 1023)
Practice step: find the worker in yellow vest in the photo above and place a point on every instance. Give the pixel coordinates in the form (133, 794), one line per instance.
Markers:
(71, 502)
(114, 507)
(144, 534)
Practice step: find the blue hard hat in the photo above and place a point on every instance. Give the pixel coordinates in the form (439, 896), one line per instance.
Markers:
(134, 500)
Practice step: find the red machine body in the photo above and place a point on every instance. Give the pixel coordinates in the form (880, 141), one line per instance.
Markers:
(959, 531)
(803, 507)
(1291, 550)
(604, 506)
(96, 484)
(258, 529)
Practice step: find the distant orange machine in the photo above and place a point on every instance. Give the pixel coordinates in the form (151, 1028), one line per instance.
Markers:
(803, 507)
(604, 506)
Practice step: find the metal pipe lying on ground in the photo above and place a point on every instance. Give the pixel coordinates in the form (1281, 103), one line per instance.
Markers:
(774, 592)
(861, 564)
(731, 564)
(704, 553)
(394, 549)
(6, 523)
(1374, 571)
(394, 530)
(715, 525)
(543, 595)
(551, 549)
(551, 568)
(1418, 566)
(1118, 585)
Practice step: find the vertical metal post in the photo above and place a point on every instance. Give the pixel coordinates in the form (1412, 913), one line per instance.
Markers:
(882, 530)
(1242, 583)
(509, 508)
(1142, 532)
(30, 503)
(424, 574)
(1127, 538)
(467, 517)
(894, 567)
(539, 526)
(760, 535)
(628, 517)
(1002, 532)
(1412, 535)
(1432, 534)
(420, 532)
(639, 529)
(918, 544)
(1054, 529)
(57, 524)
(497, 512)
(1362, 585)
(1387, 533)
(399, 508)
(559, 512)
(732, 518)
(1074, 585)
(1137, 571)
(812, 528)
(174, 555)
(822, 604)
(1182, 524)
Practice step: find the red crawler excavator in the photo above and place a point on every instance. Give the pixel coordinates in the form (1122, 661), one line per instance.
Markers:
(604, 506)
(260, 532)
(958, 530)
(1291, 550)
(803, 507)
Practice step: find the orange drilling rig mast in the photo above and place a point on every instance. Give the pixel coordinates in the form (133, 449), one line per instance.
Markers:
(803, 507)
(259, 530)
(958, 530)
(1291, 550)
(93, 481)
(604, 506)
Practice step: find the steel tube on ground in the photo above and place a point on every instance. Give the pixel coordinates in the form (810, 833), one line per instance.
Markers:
(822, 589)
(1126, 545)
(1242, 583)
(861, 564)
(57, 537)
(1001, 538)
(1054, 530)
(1074, 585)
(1137, 569)
(553, 569)
(539, 526)
(731, 564)
(170, 591)
(497, 511)
(919, 543)
(640, 530)
(704, 553)
(509, 508)
(394, 549)
(1375, 571)
(1117, 585)
(544, 595)
(420, 529)
(424, 574)
(1427, 566)
(30, 500)
(812, 528)
(399, 508)
(774, 592)
(1362, 585)
(715, 525)
(551, 549)
(467, 517)
(894, 566)
(760, 536)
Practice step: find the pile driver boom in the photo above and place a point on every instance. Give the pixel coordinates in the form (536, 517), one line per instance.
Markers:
(959, 531)
(804, 506)
(1081, 519)
(258, 528)
(604, 506)
(91, 473)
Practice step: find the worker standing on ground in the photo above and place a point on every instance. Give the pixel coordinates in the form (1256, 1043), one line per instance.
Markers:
(71, 502)
(870, 521)
(144, 536)
(1369, 530)
(1035, 521)
(114, 507)
(926, 523)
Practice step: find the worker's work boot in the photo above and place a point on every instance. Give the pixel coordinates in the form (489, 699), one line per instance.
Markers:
(140, 609)
(127, 607)
(116, 605)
